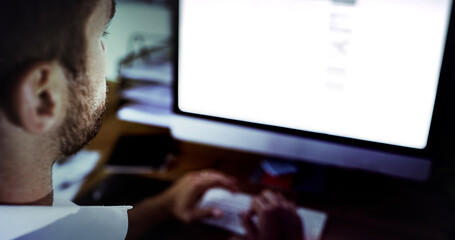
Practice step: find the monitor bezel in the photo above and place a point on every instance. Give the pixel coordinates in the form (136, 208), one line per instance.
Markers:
(438, 120)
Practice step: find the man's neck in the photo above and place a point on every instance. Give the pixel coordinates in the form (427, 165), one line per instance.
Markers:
(47, 200)
(25, 167)
(27, 184)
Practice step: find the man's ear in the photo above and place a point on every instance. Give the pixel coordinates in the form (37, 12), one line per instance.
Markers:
(37, 97)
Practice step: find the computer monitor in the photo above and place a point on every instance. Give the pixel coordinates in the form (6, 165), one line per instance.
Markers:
(348, 83)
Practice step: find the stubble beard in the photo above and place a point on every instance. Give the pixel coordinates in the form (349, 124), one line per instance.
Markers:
(81, 123)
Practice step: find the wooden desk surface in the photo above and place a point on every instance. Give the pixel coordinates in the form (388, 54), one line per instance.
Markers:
(360, 205)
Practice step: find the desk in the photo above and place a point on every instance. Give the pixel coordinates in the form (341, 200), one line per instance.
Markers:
(359, 205)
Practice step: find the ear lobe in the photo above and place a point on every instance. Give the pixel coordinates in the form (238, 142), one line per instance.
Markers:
(35, 99)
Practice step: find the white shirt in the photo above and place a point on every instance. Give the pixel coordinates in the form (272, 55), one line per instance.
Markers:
(63, 220)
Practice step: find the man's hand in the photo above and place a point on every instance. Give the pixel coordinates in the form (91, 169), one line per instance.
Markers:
(179, 201)
(184, 194)
(277, 218)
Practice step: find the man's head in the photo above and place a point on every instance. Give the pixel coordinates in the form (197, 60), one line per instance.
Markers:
(52, 70)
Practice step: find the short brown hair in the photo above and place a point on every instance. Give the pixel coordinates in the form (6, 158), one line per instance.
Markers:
(42, 30)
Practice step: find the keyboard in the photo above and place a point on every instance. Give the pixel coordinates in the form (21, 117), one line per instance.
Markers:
(232, 204)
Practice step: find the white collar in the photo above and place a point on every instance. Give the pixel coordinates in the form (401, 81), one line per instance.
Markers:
(16, 221)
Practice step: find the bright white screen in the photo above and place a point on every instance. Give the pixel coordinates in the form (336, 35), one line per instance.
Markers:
(365, 69)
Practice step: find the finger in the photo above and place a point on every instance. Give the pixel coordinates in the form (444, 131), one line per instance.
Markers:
(213, 175)
(254, 204)
(288, 206)
(214, 180)
(293, 204)
(248, 224)
(258, 205)
(271, 198)
(216, 174)
(206, 212)
(280, 197)
(199, 185)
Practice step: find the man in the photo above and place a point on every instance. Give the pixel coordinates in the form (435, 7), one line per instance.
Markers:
(53, 90)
